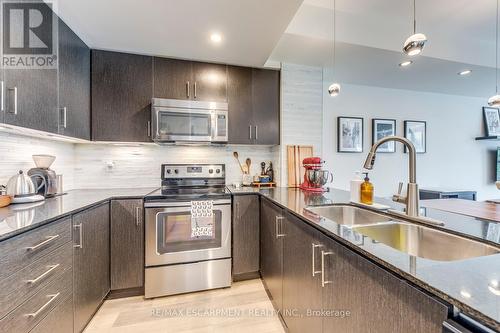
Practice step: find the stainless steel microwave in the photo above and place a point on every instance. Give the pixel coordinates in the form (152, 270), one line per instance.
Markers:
(180, 121)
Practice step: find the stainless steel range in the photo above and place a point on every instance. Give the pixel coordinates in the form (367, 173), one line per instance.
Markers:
(188, 231)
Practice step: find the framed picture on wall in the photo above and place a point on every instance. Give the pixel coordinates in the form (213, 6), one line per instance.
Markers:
(416, 132)
(382, 128)
(491, 119)
(349, 135)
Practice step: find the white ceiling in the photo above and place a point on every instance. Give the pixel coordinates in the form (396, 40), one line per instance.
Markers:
(182, 28)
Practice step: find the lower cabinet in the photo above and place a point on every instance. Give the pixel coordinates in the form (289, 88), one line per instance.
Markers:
(91, 282)
(319, 285)
(127, 244)
(246, 236)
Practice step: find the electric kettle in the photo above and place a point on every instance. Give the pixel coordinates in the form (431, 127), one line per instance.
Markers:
(22, 189)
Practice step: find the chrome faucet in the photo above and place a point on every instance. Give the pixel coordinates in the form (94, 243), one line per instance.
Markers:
(412, 196)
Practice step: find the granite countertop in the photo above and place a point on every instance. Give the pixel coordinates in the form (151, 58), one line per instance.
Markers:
(18, 218)
(473, 285)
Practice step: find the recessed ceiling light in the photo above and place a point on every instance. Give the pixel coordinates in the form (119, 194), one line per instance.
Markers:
(465, 72)
(465, 294)
(216, 38)
(406, 63)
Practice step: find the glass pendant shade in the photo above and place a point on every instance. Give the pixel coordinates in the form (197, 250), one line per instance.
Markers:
(334, 89)
(414, 44)
(494, 101)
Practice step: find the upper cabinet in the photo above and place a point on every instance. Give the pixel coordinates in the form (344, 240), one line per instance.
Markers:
(74, 84)
(254, 106)
(122, 88)
(188, 80)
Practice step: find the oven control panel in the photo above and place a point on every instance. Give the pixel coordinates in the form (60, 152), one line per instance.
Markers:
(171, 171)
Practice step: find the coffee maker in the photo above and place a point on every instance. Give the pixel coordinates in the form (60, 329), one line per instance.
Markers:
(43, 177)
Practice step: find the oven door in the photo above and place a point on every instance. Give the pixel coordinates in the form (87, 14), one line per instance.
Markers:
(169, 239)
(177, 124)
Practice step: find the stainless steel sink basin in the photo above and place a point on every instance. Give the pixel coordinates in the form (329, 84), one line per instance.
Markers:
(349, 215)
(425, 242)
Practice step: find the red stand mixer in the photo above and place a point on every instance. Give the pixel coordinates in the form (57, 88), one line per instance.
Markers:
(315, 177)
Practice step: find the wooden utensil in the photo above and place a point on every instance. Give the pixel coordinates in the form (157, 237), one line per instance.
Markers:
(248, 162)
(237, 157)
(5, 200)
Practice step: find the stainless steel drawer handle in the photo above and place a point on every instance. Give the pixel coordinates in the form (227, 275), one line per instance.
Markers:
(138, 216)
(14, 109)
(451, 328)
(41, 276)
(279, 226)
(2, 104)
(41, 244)
(80, 236)
(43, 307)
(187, 89)
(195, 89)
(64, 117)
(324, 282)
(314, 271)
(250, 132)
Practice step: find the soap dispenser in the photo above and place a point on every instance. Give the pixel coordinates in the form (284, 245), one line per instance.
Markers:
(366, 195)
(356, 186)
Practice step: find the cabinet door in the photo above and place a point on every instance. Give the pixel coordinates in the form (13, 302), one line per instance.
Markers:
(74, 84)
(266, 106)
(173, 78)
(245, 235)
(239, 97)
(31, 99)
(122, 88)
(210, 82)
(91, 281)
(127, 244)
(377, 300)
(271, 252)
(301, 289)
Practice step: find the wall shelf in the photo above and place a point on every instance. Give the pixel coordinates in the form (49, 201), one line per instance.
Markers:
(488, 138)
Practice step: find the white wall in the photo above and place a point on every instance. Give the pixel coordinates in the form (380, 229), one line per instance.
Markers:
(453, 159)
(301, 111)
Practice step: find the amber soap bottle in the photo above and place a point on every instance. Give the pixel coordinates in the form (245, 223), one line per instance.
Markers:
(366, 192)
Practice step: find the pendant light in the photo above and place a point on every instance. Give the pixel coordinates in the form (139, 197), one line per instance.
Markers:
(495, 100)
(414, 44)
(334, 88)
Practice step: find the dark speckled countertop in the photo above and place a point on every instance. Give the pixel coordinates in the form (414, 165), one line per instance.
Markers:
(18, 218)
(472, 285)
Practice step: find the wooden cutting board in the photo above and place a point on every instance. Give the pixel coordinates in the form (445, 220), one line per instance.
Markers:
(295, 156)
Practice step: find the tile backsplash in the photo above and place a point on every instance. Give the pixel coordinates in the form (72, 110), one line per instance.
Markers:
(96, 165)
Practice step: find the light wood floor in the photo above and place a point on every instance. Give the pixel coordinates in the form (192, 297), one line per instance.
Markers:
(242, 308)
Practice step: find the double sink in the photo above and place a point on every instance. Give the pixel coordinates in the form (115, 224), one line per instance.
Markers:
(413, 239)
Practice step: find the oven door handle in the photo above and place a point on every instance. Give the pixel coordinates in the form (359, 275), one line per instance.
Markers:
(181, 206)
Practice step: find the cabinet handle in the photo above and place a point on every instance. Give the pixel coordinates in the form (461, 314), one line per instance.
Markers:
(238, 210)
(188, 89)
(2, 104)
(43, 307)
(195, 88)
(324, 282)
(14, 111)
(314, 271)
(451, 328)
(250, 132)
(39, 245)
(279, 226)
(149, 128)
(138, 216)
(63, 116)
(256, 132)
(41, 276)
(80, 236)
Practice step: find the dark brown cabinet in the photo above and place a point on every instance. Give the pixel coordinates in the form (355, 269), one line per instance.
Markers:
(254, 106)
(127, 244)
(266, 106)
(271, 251)
(91, 280)
(246, 226)
(239, 97)
(74, 84)
(302, 292)
(183, 79)
(122, 88)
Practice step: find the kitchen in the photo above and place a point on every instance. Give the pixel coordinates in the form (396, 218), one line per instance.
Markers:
(168, 176)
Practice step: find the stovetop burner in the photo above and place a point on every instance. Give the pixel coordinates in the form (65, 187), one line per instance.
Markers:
(187, 182)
